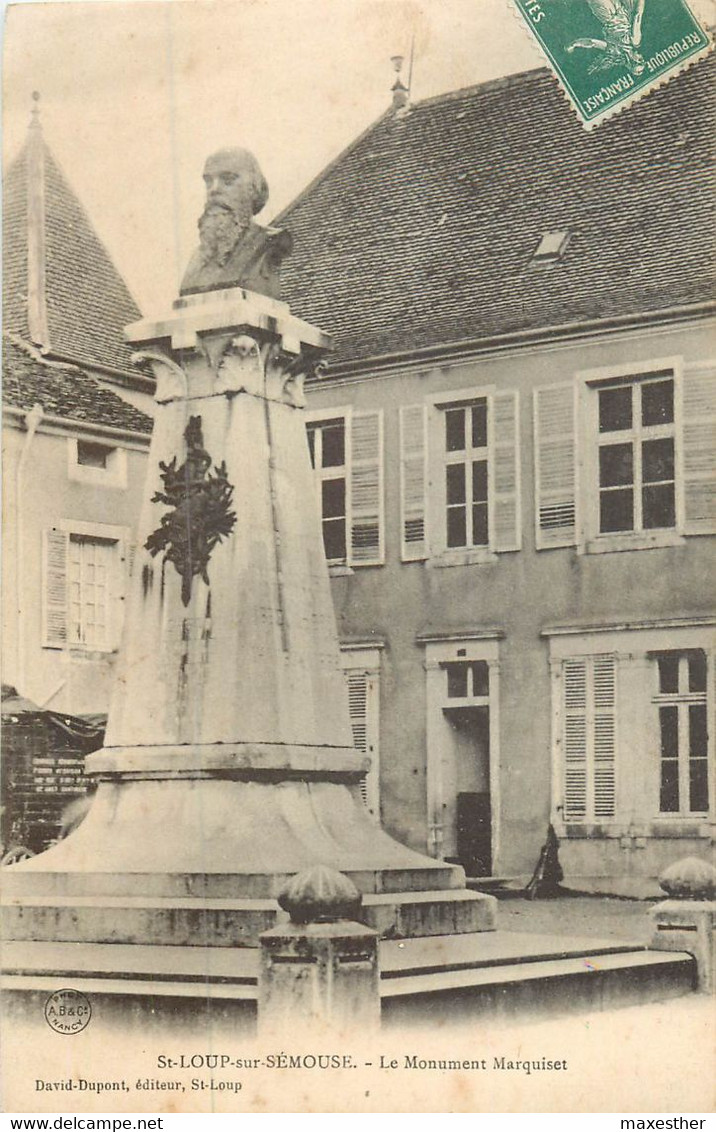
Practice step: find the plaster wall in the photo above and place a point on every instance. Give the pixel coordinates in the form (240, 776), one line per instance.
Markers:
(71, 680)
(520, 593)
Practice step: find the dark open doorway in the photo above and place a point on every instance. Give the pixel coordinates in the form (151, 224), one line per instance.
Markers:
(470, 759)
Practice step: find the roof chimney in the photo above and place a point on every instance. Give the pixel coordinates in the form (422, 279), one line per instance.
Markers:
(401, 93)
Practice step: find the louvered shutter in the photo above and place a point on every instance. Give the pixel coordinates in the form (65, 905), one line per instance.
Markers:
(506, 523)
(603, 776)
(589, 738)
(413, 483)
(54, 608)
(362, 707)
(555, 467)
(575, 740)
(366, 490)
(699, 449)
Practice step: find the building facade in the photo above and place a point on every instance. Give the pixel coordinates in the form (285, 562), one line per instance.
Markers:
(76, 428)
(513, 447)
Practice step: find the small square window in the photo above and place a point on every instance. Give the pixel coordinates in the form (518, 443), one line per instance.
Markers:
(90, 461)
(551, 247)
(467, 679)
(92, 455)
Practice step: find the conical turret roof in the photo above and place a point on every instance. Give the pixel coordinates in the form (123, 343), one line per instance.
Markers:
(61, 290)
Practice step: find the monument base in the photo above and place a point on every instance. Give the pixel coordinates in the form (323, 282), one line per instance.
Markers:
(219, 853)
(229, 764)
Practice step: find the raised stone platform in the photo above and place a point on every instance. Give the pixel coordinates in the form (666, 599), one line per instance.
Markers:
(224, 922)
(493, 973)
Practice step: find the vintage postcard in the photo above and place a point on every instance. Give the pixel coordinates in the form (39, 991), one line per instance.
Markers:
(358, 517)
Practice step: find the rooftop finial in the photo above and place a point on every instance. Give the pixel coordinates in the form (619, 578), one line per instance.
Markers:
(400, 90)
(35, 114)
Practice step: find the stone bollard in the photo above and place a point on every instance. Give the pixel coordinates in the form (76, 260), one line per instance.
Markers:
(687, 920)
(319, 973)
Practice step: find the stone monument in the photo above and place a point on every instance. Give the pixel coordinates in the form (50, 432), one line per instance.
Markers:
(229, 763)
(234, 251)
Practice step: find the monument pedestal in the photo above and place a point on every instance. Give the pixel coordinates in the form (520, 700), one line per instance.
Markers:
(229, 763)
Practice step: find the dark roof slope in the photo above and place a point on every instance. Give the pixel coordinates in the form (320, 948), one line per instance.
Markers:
(14, 247)
(422, 233)
(88, 303)
(64, 391)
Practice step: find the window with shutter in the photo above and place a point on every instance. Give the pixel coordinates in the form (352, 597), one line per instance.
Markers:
(366, 489)
(90, 568)
(413, 483)
(327, 446)
(699, 450)
(648, 459)
(362, 682)
(575, 740)
(636, 470)
(54, 613)
(555, 466)
(589, 738)
(84, 582)
(474, 477)
(347, 457)
(506, 472)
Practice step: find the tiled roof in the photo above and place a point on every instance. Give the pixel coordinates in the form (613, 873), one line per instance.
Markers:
(65, 392)
(88, 303)
(421, 234)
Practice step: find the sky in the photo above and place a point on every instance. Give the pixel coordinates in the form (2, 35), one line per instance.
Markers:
(134, 96)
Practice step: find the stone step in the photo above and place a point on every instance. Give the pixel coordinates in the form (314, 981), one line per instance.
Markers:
(132, 969)
(538, 988)
(31, 883)
(485, 950)
(493, 973)
(408, 915)
(136, 920)
(188, 921)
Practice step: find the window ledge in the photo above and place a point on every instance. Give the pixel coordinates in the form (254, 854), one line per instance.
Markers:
(339, 570)
(77, 652)
(678, 826)
(681, 825)
(97, 477)
(611, 544)
(477, 556)
(576, 831)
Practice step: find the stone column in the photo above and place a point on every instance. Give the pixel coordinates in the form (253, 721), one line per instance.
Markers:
(687, 920)
(319, 973)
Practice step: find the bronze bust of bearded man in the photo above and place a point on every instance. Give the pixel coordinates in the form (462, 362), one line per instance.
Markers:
(233, 250)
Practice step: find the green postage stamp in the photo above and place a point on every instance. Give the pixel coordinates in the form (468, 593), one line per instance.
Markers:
(608, 53)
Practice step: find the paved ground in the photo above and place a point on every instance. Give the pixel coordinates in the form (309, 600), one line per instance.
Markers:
(604, 916)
